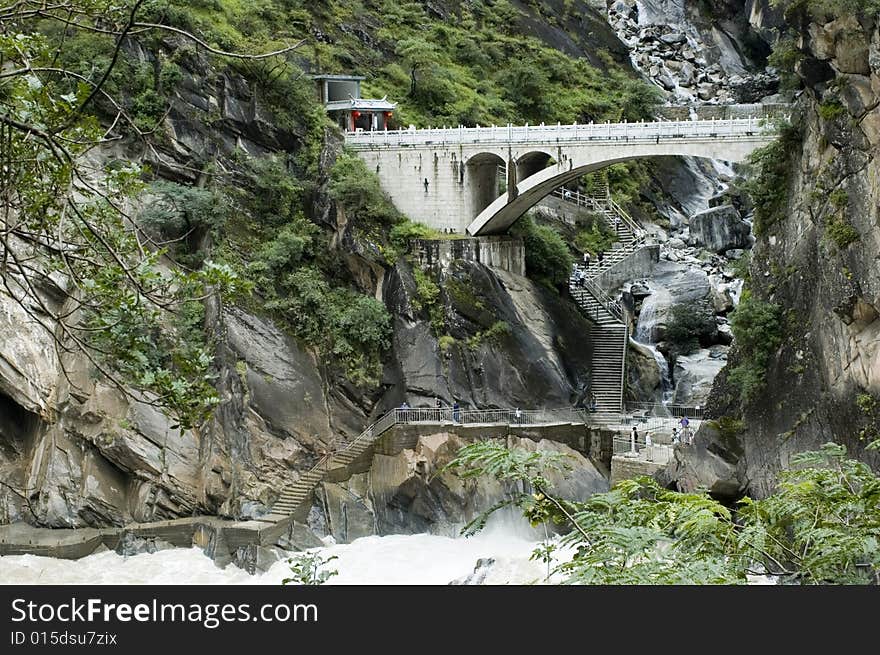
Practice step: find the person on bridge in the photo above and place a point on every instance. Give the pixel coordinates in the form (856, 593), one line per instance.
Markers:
(456, 412)
(634, 440)
(600, 256)
(586, 258)
(426, 186)
(617, 224)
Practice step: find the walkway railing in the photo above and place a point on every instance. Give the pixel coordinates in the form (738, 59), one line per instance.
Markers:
(638, 232)
(664, 411)
(448, 415)
(643, 131)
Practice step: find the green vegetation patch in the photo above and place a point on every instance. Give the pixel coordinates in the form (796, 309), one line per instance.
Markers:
(768, 182)
(757, 329)
(548, 259)
(819, 526)
(689, 326)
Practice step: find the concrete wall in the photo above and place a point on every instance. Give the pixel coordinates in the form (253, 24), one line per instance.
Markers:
(638, 265)
(451, 199)
(575, 435)
(625, 468)
(500, 252)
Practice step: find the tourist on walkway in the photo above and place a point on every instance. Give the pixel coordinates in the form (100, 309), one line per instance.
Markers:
(586, 258)
(517, 414)
(592, 402)
(617, 225)
(456, 412)
(685, 429)
(600, 256)
(634, 440)
(403, 413)
(675, 437)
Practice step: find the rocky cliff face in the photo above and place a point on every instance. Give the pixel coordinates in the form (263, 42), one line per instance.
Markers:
(75, 451)
(83, 454)
(819, 263)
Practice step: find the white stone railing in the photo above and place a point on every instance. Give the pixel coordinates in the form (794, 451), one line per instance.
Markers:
(615, 132)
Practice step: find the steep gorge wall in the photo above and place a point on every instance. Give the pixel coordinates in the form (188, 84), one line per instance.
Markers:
(823, 384)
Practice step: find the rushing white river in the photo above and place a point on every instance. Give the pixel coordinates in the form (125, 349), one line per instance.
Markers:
(396, 559)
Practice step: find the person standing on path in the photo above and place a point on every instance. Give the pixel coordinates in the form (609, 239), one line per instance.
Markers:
(685, 429)
(586, 258)
(600, 256)
(634, 440)
(456, 412)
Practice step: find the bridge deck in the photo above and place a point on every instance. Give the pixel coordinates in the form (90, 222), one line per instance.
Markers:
(555, 134)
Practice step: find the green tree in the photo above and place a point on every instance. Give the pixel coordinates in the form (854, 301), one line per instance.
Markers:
(690, 326)
(64, 220)
(821, 526)
(547, 256)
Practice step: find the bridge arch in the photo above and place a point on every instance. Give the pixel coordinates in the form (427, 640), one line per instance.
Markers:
(501, 213)
(483, 175)
(532, 162)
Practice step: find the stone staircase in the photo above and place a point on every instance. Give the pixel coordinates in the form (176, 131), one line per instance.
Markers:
(296, 493)
(610, 332)
(293, 501)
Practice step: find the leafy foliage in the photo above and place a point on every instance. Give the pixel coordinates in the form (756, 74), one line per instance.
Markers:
(821, 526)
(594, 235)
(768, 182)
(358, 191)
(306, 569)
(179, 217)
(475, 66)
(284, 257)
(428, 297)
(689, 326)
(548, 259)
(66, 228)
(757, 330)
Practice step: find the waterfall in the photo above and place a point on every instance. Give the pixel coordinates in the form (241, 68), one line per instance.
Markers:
(644, 335)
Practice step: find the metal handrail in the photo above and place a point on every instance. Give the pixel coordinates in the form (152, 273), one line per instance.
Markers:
(661, 410)
(637, 230)
(434, 415)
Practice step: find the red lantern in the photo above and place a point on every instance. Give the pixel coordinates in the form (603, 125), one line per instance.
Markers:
(356, 114)
(389, 114)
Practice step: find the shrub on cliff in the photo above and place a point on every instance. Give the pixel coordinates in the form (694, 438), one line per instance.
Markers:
(757, 330)
(689, 326)
(548, 259)
(767, 184)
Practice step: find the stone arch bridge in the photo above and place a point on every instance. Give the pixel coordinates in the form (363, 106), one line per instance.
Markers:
(449, 178)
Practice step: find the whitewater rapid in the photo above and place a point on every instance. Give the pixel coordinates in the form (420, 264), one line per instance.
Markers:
(395, 559)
